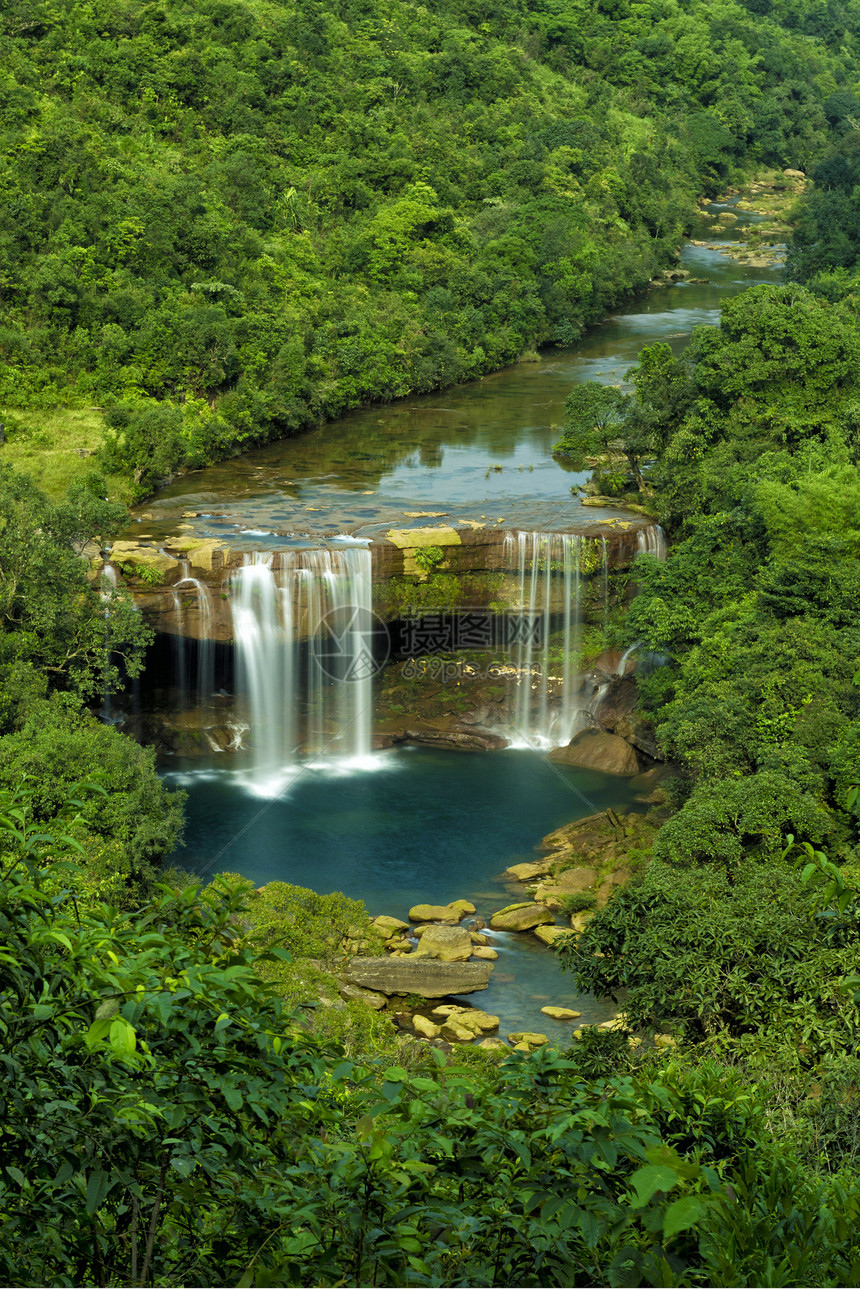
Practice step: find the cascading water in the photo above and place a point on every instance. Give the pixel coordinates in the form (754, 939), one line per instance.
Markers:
(651, 541)
(546, 656)
(110, 583)
(186, 589)
(301, 627)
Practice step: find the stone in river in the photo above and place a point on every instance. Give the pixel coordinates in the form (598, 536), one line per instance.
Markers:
(527, 872)
(526, 1041)
(389, 926)
(447, 943)
(426, 977)
(472, 1018)
(450, 914)
(561, 1013)
(494, 1045)
(595, 750)
(485, 952)
(457, 1033)
(549, 934)
(520, 917)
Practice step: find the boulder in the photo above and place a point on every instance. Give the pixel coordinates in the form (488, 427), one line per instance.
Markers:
(571, 881)
(561, 1013)
(447, 943)
(596, 750)
(425, 1027)
(640, 734)
(450, 914)
(794, 174)
(549, 934)
(494, 1045)
(133, 555)
(355, 994)
(426, 977)
(472, 1018)
(525, 1040)
(520, 917)
(389, 926)
(485, 952)
(620, 700)
(456, 1033)
(528, 872)
(456, 740)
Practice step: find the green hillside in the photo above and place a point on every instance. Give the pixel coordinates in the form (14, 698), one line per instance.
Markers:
(222, 222)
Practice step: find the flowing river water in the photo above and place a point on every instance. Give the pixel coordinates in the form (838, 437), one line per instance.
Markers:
(415, 825)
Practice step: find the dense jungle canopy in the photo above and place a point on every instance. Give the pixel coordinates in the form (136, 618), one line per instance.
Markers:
(222, 222)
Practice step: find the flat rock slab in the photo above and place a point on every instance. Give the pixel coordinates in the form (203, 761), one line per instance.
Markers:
(426, 977)
(370, 998)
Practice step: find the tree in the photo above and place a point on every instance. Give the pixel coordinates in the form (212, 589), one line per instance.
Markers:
(594, 417)
(51, 615)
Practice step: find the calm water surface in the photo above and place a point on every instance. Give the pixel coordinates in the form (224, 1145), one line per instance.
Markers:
(419, 826)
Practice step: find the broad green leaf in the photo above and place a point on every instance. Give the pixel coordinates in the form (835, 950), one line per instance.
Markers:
(681, 1215)
(98, 1185)
(649, 1180)
(123, 1039)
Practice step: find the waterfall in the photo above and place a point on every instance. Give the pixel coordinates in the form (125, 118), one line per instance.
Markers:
(304, 649)
(651, 541)
(182, 593)
(110, 583)
(546, 648)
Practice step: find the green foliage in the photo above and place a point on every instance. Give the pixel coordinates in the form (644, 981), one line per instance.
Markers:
(51, 616)
(578, 902)
(129, 829)
(427, 558)
(732, 958)
(223, 228)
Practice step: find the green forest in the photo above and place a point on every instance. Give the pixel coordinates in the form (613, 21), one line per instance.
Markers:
(223, 223)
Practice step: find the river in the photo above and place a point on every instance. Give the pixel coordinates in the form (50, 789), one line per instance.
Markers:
(419, 825)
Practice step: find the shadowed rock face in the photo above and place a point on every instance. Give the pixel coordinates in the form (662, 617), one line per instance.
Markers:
(596, 750)
(426, 977)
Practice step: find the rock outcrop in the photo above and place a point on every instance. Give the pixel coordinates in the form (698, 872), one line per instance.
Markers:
(426, 977)
(596, 750)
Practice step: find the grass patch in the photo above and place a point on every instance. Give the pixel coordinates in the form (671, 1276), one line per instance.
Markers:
(55, 446)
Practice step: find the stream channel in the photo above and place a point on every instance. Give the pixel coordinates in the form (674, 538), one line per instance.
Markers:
(415, 824)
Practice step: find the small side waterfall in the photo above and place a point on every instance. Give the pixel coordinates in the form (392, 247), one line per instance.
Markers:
(547, 643)
(303, 637)
(651, 541)
(109, 583)
(191, 595)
